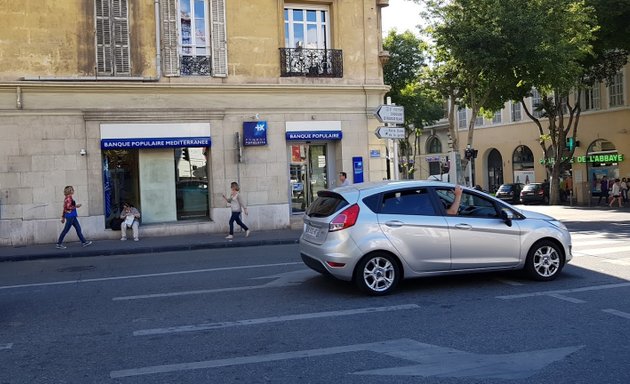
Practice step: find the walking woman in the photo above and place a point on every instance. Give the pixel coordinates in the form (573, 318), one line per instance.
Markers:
(69, 217)
(236, 204)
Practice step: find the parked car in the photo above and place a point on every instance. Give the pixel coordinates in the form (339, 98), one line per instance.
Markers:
(510, 192)
(378, 233)
(535, 193)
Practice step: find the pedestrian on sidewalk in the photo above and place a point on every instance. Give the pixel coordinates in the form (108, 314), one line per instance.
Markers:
(616, 193)
(70, 218)
(343, 179)
(131, 219)
(624, 189)
(236, 205)
(603, 190)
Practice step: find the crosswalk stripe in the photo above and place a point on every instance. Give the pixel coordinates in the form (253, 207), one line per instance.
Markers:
(603, 251)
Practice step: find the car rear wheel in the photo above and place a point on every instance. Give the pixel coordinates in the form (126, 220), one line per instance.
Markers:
(544, 261)
(377, 274)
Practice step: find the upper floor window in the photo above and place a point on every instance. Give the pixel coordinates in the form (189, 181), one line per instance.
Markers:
(461, 117)
(435, 146)
(112, 37)
(615, 91)
(516, 111)
(496, 119)
(193, 38)
(536, 104)
(306, 27)
(479, 121)
(590, 98)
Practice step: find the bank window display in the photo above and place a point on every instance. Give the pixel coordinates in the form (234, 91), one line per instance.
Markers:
(165, 184)
(191, 183)
(307, 174)
(120, 182)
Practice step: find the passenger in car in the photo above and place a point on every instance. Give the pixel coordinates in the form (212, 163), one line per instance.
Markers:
(454, 208)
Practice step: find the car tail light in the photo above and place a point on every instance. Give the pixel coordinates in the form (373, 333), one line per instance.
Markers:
(346, 219)
(334, 264)
(541, 193)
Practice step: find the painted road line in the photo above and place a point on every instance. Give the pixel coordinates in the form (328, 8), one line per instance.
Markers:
(605, 251)
(280, 280)
(427, 361)
(509, 282)
(567, 298)
(617, 313)
(113, 278)
(6, 346)
(564, 291)
(624, 261)
(274, 319)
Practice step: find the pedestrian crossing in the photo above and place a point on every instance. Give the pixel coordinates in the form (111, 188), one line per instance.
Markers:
(614, 250)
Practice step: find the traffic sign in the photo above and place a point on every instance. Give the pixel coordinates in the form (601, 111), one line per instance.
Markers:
(390, 132)
(390, 114)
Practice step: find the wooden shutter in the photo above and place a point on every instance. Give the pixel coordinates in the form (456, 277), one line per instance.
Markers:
(120, 22)
(169, 38)
(103, 38)
(112, 37)
(218, 38)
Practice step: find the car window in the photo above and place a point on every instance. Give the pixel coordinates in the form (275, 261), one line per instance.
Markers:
(407, 202)
(372, 202)
(325, 205)
(471, 204)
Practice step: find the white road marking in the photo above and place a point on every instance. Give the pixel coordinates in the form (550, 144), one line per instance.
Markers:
(605, 251)
(281, 280)
(6, 346)
(274, 319)
(429, 361)
(510, 282)
(566, 298)
(617, 313)
(625, 261)
(148, 275)
(564, 291)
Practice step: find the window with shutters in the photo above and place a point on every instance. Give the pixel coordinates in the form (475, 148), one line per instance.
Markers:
(193, 38)
(112, 38)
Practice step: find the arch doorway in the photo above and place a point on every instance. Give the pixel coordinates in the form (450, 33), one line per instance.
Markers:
(495, 170)
(523, 165)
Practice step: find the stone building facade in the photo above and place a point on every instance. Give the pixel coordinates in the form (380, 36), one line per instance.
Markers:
(163, 103)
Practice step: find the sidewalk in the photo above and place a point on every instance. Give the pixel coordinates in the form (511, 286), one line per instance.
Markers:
(287, 236)
(150, 245)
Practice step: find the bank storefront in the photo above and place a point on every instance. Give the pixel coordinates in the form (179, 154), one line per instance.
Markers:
(160, 168)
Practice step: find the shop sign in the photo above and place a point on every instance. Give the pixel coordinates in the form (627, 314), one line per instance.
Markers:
(162, 142)
(254, 133)
(612, 158)
(313, 135)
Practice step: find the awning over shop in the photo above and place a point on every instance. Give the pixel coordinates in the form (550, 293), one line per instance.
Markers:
(313, 130)
(161, 135)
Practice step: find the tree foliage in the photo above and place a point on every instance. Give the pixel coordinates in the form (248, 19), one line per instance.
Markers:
(404, 74)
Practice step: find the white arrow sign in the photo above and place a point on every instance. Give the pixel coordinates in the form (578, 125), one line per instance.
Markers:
(390, 132)
(390, 114)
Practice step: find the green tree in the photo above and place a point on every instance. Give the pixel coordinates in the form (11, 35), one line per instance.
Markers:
(500, 50)
(403, 73)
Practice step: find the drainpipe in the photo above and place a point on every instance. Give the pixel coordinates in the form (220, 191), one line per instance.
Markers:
(18, 95)
(158, 45)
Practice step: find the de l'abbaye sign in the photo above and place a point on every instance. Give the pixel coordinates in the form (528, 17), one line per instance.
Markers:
(394, 114)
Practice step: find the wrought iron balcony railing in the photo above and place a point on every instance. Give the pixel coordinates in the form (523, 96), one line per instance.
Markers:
(194, 66)
(311, 62)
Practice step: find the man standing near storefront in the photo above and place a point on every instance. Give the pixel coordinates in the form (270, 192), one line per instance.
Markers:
(343, 179)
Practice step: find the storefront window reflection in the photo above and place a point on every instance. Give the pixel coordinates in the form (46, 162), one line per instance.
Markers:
(191, 182)
(120, 181)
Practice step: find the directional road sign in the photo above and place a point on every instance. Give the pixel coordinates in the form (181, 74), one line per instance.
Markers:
(390, 114)
(390, 132)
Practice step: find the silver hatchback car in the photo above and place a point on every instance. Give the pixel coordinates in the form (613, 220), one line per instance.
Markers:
(376, 234)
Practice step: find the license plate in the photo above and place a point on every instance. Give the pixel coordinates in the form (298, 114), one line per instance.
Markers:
(312, 231)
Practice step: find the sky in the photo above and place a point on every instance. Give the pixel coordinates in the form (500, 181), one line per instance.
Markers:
(402, 15)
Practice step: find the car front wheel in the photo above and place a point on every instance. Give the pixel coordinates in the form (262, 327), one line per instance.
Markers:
(544, 261)
(377, 274)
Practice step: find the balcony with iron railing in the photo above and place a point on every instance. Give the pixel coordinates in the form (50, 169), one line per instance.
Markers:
(307, 62)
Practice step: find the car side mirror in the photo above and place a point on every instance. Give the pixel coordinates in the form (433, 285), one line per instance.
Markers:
(507, 216)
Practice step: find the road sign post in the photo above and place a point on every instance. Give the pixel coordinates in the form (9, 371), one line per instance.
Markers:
(391, 115)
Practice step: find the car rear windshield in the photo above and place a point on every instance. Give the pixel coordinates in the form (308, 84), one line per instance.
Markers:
(505, 188)
(530, 187)
(326, 204)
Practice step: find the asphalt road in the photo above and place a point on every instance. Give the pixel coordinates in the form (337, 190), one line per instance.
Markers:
(257, 315)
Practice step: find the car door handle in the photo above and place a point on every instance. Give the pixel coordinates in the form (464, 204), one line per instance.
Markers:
(394, 223)
(463, 226)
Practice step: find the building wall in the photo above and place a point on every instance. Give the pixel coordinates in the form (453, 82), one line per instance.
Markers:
(45, 123)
